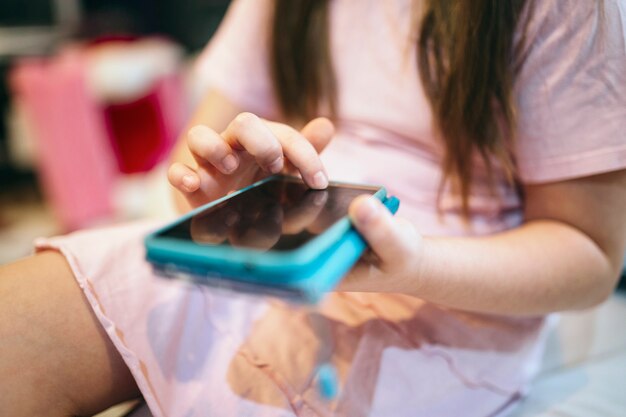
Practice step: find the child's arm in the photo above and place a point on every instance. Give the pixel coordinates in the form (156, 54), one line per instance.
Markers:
(568, 254)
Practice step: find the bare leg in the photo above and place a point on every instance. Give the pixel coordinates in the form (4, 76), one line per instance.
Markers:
(55, 358)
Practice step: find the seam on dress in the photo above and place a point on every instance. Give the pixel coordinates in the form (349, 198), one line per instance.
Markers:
(557, 166)
(299, 405)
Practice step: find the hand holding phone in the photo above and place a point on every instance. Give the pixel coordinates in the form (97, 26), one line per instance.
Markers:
(276, 237)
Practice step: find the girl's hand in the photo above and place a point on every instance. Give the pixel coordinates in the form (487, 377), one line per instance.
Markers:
(395, 250)
(249, 149)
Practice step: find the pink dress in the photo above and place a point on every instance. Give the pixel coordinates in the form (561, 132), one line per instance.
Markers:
(196, 352)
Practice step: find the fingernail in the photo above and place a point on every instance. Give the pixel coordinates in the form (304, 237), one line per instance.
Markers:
(189, 182)
(229, 163)
(276, 166)
(320, 181)
(366, 211)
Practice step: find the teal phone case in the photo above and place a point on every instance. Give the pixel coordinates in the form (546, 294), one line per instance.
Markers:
(300, 275)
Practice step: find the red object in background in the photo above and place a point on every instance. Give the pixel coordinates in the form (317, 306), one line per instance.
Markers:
(142, 132)
(136, 131)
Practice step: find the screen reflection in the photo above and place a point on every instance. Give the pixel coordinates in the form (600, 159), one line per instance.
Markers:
(280, 215)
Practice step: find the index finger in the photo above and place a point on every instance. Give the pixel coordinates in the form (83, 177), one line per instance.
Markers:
(247, 132)
(301, 154)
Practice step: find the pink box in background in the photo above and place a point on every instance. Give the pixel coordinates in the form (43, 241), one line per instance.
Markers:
(76, 165)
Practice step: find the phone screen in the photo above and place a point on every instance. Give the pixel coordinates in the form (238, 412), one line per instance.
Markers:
(281, 214)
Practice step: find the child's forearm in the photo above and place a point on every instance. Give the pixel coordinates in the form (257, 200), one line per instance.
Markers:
(541, 267)
(568, 254)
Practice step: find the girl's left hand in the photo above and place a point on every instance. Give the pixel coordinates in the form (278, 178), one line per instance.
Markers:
(396, 249)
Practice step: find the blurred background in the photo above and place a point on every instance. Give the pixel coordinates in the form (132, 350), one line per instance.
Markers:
(93, 94)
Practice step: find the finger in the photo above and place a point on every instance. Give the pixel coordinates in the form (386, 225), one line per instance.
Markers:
(301, 154)
(319, 132)
(183, 178)
(206, 145)
(394, 241)
(249, 133)
(197, 186)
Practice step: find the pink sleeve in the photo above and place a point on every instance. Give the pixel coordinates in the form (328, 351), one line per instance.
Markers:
(572, 91)
(235, 62)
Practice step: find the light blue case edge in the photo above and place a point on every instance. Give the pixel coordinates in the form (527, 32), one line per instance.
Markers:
(340, 260)
(277, 265)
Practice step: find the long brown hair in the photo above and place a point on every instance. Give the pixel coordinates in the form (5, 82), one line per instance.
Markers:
(467, 62)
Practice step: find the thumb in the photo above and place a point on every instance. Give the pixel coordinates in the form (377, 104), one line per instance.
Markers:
(319, 132)
(395, 241)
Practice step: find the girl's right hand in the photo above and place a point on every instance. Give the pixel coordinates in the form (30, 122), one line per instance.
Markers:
(249, 149)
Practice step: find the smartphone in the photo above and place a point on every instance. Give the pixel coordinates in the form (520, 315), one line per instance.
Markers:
(276, 237)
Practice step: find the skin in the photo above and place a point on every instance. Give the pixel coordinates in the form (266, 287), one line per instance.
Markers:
(55, 358)
(567, 255)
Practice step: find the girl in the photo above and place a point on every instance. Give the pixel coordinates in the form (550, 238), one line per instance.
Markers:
(499, 124)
